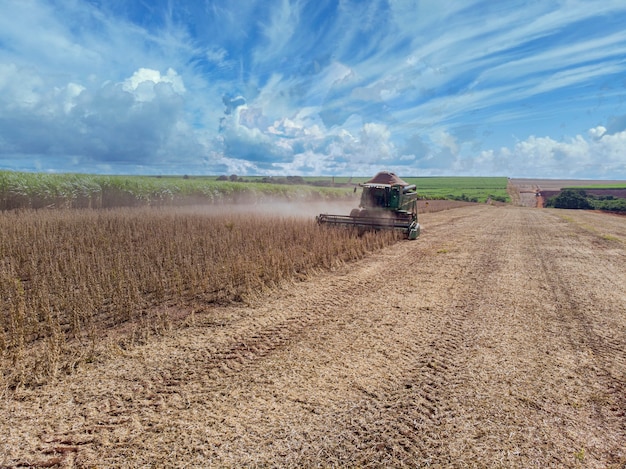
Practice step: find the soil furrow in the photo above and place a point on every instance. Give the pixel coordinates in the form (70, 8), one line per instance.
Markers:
(492, 341)
(581, 313)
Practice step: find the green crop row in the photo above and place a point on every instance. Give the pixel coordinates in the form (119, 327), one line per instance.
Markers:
(39, 190)
(471, 189)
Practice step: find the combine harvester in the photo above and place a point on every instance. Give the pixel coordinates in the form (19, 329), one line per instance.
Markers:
(387, 203)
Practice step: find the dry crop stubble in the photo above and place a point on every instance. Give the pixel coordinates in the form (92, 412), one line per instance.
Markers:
(493, 341)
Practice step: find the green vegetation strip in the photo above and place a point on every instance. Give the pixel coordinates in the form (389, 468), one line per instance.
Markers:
(578, 198)
(42, 190)
(37, 190)
(472, 189)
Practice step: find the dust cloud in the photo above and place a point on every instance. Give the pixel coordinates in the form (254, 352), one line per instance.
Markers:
(277, 208)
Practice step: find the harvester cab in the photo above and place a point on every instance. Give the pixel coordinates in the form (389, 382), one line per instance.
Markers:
(387, 202)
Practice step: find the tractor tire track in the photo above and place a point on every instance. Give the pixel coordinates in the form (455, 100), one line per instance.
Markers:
(493, 340)
(582, 312)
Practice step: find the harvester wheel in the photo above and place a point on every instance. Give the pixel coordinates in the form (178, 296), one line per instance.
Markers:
(355, 212)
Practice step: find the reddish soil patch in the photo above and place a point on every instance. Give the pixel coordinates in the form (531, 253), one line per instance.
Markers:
(618, 193)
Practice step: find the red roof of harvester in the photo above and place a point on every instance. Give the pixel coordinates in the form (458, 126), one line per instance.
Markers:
(387, 177)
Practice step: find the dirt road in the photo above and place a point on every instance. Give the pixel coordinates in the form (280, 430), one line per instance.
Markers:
(496, 340)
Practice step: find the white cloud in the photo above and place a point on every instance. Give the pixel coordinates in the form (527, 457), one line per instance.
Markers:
(375, 144)
(597, 132)
(423, 87)
(278, 32)
(445, 140)
(71, 92)
(216, 55)
(603, 157)
(20, 87)
(139, 121)
(286, 128)
(142, 82)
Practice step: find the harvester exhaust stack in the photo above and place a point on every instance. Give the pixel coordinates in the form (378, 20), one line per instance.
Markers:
(387, 203)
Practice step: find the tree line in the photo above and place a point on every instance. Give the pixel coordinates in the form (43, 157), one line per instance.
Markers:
(579, 199)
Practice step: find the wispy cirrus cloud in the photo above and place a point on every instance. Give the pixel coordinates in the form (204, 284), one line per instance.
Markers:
(304, 87)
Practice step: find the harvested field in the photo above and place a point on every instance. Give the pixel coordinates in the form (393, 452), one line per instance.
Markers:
(534, 192)
(556, 184)
(618, 193)
(494, 340)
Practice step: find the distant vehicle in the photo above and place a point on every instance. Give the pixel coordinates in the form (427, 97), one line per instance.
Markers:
(387, 203)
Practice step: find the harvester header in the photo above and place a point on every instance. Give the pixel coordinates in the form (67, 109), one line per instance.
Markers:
(387, 202)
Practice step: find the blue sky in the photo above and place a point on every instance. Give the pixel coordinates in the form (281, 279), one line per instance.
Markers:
(533, 88)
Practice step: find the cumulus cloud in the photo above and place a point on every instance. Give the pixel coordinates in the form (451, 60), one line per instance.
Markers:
(597, 132)
(131, 122)
(303, 87)
(285, 127)
(142, 83)
(601, 157)
(241, 138)
(374, 144)
(20, 87)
